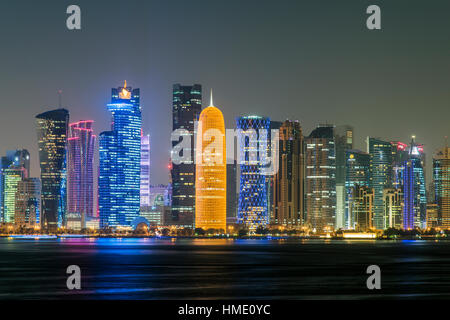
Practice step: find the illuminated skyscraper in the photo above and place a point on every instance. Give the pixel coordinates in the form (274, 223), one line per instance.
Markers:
(11, 177)
(289, 180)
(414, 189)
(441, 176)
(380, 175)
(357, 173)
(343, 138)
(320, 185)
(211, 171)
(145, 170)
(17, 160)
(254, 143)
(120, 160)
(28, 201)
(52, 127)
(80, 172)
(187, 106)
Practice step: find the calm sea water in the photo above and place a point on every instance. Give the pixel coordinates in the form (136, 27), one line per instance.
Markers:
(223, 269)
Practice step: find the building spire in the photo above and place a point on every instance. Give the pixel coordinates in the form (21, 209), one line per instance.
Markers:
(211, 99)
(125, 85)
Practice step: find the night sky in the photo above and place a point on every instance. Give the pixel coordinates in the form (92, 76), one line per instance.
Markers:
(314, 61)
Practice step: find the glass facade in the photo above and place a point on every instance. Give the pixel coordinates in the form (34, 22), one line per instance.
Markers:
(441, 177)
(120, 161)
(186, 109)
(80, 173)
(254, 145)
(52, 128)
(320, 185)
(145, 170)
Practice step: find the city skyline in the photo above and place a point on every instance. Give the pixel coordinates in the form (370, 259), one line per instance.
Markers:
(330, 70)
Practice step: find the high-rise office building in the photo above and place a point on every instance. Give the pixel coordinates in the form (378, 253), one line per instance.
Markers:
(211, 171)
(186, 109)
(361, 207)
(145, 170)
(320, 183)
(433, 220)
(253, 148)
(80, 172)
(380, 175)
(343, 139)
(52, 129)
(399, 155)
(14, 159)
(441, 177)
(120, 160)
(393, 208)
(11, 177)
(28, 202)
(288, 201)
(414, 189)
(357, 173)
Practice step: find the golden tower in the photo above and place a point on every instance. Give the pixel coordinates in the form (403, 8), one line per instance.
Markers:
(211, 171)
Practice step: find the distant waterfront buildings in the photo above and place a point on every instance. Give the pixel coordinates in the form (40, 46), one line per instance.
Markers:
(211, 171)
(288, 193)
(393, 208)
(120, 160)
(80, 173)
(253, 147)
(232, 198)
(186, 109)
(361, 207)
(52, 128)
(320, 185)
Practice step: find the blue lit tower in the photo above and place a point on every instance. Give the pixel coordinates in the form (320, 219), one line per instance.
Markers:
(253, 139)
(380, 176)
(414, 189)
(120, 160)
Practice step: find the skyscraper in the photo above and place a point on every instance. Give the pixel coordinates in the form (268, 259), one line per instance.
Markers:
(393, 205)
(52, 127)
(187, 106)
(289, 180)
(414, 189)
(343, 138)
(441, 176)
(361, 207)
(80, 173)
(120, 160)
(145, 170)
(11, 177)
(232, 192)
(320, 185)
(14, 159)
(254, 144)
(211, 171)
(357, 173)
(380, 175)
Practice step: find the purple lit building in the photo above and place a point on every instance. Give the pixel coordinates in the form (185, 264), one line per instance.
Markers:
(80, 193)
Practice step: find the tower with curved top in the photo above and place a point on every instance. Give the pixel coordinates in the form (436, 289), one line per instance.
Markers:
(211, 171)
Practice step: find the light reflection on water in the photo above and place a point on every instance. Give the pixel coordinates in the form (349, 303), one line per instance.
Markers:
(222, 268)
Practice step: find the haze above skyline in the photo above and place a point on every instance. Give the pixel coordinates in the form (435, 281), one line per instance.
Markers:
(311, 61)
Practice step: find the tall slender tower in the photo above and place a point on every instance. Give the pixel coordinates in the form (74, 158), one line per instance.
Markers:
(320, 186)
(288, 195)
(441, 175)
(380, 176)
(80, 173)
(52, 127)
(120, 160)
(145, 170)
(186, 109)
(211, 171)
